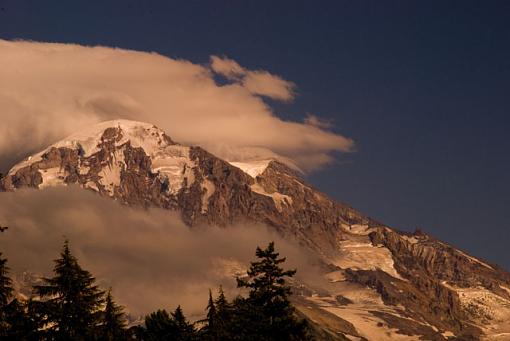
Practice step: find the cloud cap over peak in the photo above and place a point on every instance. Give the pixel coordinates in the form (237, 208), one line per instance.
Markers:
(48, 91)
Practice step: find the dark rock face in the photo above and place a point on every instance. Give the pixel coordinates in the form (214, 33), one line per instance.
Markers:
(311, 216)
(307, 214)
(444, 262)
(210, 191)
(232, 197)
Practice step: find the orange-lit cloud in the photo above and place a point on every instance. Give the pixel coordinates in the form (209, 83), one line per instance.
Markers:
(316, 121)
(256, 82)
(149, 257)
(227, 67)
(48, 91)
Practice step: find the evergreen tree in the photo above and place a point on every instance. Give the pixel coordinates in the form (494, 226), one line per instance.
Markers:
(5, 283)
(223, 308)
(159, 326)
(185, 330)
(5, 294)
(223, 316)
(113, 321)
(218, 318)
(209, 332)
(23, 322)
(70, 301)
(267, 311)
(16, 319)
(212, 314)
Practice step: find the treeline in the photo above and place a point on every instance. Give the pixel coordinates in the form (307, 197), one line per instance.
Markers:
(70, 306)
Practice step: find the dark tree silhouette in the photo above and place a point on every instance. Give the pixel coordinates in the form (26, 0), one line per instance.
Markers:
(158, 326)
(209, 331)
(5, 295)
(5, 283)
(23, 321)
(69, 307)
(113, 322)
(16, 319)
(218, 319)
(267, 312)
(70, 301)
(185, 330)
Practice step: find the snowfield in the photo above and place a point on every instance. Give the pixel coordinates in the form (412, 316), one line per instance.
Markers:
(252, 168)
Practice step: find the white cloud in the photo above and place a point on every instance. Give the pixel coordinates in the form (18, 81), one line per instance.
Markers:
(316, 121)
(265, 84)
(48, 91)
(227, 67)
(256, 82)
(149, 257)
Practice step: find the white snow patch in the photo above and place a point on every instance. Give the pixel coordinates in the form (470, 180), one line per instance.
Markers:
(360, 229)
(171, 161)
(369, 326)
(51, 177)
(110, 177)
(491, 311)
(364, 300)
(448, 334)
(505, 288)
(252, 168)
(279, 199)
(92, 185)
(87, 139)
(358, 313)
(27, 162)
(83, 170)
(365, 256)
(140, 134)
(174, 164)
(412, 240)
(110, 174)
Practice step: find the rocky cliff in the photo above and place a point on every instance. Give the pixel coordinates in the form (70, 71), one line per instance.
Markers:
(382, 284)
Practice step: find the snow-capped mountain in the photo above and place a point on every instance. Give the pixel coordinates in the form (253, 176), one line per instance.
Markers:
(383, 284)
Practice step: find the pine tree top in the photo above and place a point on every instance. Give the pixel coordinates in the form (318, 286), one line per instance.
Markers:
(6, 289)
(265, 277)
(113, 321)
(70, 280)
(71, 300)
(221, 300)
(178, 316)
(113, 313)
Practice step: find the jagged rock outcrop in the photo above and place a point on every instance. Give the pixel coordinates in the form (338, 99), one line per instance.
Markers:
(381, 282)
(206, 189)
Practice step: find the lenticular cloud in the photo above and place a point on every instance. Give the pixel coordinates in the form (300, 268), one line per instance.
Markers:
(49, 91)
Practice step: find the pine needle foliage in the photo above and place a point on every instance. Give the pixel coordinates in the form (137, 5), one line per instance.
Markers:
(70, 301)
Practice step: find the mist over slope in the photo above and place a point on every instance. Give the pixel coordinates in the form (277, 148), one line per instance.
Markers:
(150, 258)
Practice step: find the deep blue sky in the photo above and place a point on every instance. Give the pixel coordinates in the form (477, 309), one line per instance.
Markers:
(422, 87)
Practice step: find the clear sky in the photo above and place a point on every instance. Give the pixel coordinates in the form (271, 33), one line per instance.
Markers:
(421, 87)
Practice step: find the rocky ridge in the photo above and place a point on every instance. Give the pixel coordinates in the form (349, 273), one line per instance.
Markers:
(381, 281)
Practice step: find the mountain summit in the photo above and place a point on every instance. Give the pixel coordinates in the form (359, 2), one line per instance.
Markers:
(383, 284)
